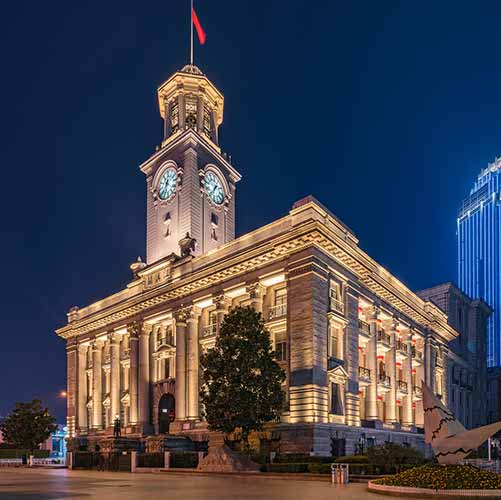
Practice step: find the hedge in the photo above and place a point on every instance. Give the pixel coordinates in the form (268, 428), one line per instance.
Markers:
(325, 468)
(186, 460)
(16, 453)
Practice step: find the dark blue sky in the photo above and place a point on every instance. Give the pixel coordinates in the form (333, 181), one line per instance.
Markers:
(385, 111)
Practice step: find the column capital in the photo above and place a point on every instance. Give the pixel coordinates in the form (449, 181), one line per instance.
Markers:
(255, 290)
(186, 313)
(97, 344)
(146, 330)
(114, 337)
(372, 312)
(221, 301)
(83, 347)
(134, 329)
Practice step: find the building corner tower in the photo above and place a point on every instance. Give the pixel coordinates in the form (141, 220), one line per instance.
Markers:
(190, 182)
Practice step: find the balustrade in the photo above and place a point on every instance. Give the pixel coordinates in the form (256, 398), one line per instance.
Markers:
(209, 330)
(277, 311)
(364, 373)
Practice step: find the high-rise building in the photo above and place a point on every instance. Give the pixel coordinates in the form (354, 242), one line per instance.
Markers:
(479, 250)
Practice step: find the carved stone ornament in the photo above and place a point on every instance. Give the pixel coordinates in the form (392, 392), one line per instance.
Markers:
(134, 329)
(255, 290)
(187, 245)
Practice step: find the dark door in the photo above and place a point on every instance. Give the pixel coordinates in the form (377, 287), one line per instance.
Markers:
(166, 413)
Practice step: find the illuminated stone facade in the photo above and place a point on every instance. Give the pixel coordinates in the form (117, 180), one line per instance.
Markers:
(354, 341)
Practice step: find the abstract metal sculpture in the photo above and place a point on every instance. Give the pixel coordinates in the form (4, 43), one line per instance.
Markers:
(450, 441)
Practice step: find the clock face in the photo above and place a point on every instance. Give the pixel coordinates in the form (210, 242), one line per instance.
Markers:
(214, 188)
(167, 184)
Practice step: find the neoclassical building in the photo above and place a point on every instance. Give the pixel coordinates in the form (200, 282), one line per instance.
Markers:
(354, 341)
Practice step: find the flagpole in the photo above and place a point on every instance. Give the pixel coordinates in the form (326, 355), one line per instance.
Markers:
(191, 30)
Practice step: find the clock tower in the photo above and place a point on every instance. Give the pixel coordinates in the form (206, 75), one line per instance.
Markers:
(190, 182)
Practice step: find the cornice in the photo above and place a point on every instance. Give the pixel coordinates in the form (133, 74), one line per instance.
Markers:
(308, 233)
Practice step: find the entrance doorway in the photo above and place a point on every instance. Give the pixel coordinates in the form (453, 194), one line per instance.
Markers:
(166, 413)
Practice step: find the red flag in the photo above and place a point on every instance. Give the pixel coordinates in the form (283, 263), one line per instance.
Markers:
(198, 27)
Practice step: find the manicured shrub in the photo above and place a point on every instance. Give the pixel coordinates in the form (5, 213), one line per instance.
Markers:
(286, 468)
(186, 460)
(445, 477)
(352, 459)
(289, 459)
(16, 453)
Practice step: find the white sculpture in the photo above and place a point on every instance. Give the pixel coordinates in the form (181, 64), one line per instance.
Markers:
(450, 441)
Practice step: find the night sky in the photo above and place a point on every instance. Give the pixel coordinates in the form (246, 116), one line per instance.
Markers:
(384, 110)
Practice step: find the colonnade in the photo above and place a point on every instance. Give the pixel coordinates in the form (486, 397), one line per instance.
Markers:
(136, 348)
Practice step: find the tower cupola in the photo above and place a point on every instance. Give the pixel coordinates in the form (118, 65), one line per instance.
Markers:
(188, 100)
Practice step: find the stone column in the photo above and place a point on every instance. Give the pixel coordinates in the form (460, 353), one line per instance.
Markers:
(134, 329)
(144, 376)
(153, 348)
(71, 386)
(222, 305)
(391, 370)
(193, 362)
(407, 419)
(180, 320)
(114, 376)
(371, 412)
(256, 292)
(97, 385)
(83, 425)
(352, 398)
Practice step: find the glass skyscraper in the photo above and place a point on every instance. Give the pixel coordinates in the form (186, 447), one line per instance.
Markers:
(479, 251)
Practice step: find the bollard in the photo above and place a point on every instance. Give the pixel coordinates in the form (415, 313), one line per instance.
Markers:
(30, 461)
(167, 459)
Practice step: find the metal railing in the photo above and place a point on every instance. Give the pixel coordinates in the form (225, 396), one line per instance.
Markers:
(364, 373)
(418, 391)
(337, 305)
(402, 386)
(364, 327)
(417, 355)
(209, 330)
(277, 311)
(402, 347)
(384, 379)
(383, 337)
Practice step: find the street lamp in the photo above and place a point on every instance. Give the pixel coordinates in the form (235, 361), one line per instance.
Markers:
(63, 394)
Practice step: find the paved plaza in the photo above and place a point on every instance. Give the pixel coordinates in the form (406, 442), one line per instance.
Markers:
(25, 484)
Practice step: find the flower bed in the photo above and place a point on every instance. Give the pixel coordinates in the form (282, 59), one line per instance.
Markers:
(444, 477)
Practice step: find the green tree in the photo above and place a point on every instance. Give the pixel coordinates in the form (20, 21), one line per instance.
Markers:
(241, 386)
(28, 425)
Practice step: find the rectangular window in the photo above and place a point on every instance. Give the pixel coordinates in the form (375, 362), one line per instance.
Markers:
(207, 127)
(174, 116)
(336, 297)
(281, 297)
(281, 351)
(335, 399)
(335, 350)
